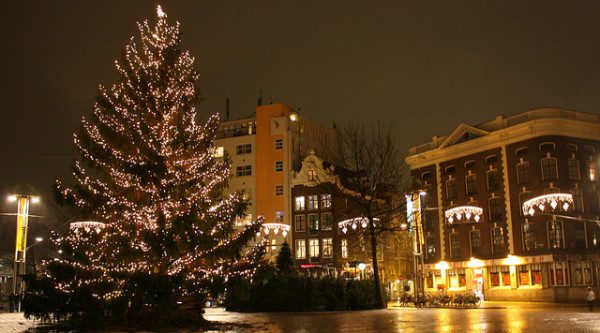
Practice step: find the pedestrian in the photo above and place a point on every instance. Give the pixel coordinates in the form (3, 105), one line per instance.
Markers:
(590, 298)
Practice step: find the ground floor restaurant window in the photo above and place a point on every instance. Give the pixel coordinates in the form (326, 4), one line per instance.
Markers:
(499, 276)
(429, 280)
(582, 272)
(457, 278)
(530, 275)
(559, 274)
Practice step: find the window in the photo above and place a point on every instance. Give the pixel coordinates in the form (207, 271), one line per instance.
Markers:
(549, 168)
(313, 202)
(312, 175)
(278, 189)
(475, 236)
(344, 248)
(326, 221)
(278, 143)
(573, 168)
(523, 173)
(300, 249)
(313, 248)
(278, 165)
(521, 152)
(243, 170)
(325, 201)
(300, 223)
(279, 216)
(590, 167)
(529, 238)
(243, 149)
(273, 247)
(583, 272)
(299, 203)
(571, 148)
(219, 152)
(313, 224)
(470, 165)
(529, 275)
(451, 188)
(430, 246)
(327, 248)
(471, 184)
(555, 235)
(497, 234)
(505, 270)
(499, 276)
(457, 278)
(523, 196)
(491, 159)
(450, 169)
(577, 199)
(426, 176)
(454, 245)
(559, 274)
(577, 239)
(496, 209)
(547, 146)
(493, 180)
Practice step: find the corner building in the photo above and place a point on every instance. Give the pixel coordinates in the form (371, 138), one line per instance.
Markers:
(498, 165)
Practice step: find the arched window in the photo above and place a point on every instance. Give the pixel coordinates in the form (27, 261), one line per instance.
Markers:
(523, 173)
(549, 168)
(470, 165)
(450, 169)
(451, 188)
(590, 167)
(496, 209)
(547, 146)
(555, 235)
(471, 184)
(426, 175)
(521, 152)
(571, 148)
(493, 180)
(454, 245)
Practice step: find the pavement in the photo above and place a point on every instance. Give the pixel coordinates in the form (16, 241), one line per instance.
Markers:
(15, 322)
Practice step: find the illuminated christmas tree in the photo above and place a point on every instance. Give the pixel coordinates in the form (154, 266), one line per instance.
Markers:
(148, 171)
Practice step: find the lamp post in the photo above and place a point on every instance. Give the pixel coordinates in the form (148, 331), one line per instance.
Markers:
(23, 202)
(416, 215)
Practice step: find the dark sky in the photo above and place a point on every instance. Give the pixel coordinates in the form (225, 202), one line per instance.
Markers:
(424, 66)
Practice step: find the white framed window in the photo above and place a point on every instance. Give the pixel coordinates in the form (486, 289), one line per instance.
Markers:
(278, 143)
(243, 170)
(559, 273)
(326, 221)
(313, 202)
(243, 149)
(219, 152)
(327, 248)
(549, 168)
(300, 223)
(278, 189)
(325, 201)
(299, 203)
(582, 272)
(313, 247)
(300, 249)
(344, 248)
(278, 165)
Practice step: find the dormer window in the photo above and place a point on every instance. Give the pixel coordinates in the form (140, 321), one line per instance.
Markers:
(312, 175)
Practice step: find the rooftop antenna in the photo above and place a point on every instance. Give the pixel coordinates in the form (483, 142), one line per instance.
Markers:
(227, 109)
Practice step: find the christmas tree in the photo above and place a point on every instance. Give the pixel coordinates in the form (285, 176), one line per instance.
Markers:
(149, 174)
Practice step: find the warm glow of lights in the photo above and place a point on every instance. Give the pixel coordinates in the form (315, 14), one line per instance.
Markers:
(565, 200)
(468, 212)
(442, 265)
(293, 116)
(512, 260)
(35, 199)
(39, 239)
(475, 263)
(11, 198)
(362, 266)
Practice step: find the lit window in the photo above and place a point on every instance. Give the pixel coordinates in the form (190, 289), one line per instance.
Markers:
(299, 203)
(344, 248)
(583, 272)
(577, 199)
(278, 143)
(497, 235)
(523, 196)
(313, 248)
(313, 224)
(530, 275)
(529, 238)
(243, 149)
(273, 245)
(325, 201)
(244, 170)
(326, 221)
(313, 202)
(278, 165)
(300, 223)
(278, 189)
(219, 152)
(327, 248)
(300, 249)
(279, 216)
(430, 245)
(555, 235)
(312, 175)
(591, 169)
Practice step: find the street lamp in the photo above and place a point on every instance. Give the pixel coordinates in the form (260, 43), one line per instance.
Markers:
(361, 267)
(23, 202)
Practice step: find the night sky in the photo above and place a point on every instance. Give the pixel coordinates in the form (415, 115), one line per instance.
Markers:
(422, 66)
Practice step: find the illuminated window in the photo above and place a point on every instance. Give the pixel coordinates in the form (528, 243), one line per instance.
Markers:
(219, 152)
(549, 168)
(430, 246)
(313, 202)
(325, 201)
(313, 249)
(497, 235)
(344, 248)
(590, 166)
(530, 275)
(243, 149)
(300, 223)
(451, 188)
(279, 216)
(273, 245)
(278, 165)
(313, 224)
(475, 238)
(300, 249)
(299, 203)
(583, 272)
(555, 235)
(327, 248)
(278, 143)
(278, 189)
(312, 175)
(523, 173)
(471, 184)
(529, 238)
(573, 169)
(326, 221)
(523, 196)
(243, 170)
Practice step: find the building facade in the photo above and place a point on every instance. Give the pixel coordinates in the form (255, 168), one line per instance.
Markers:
(492, 169)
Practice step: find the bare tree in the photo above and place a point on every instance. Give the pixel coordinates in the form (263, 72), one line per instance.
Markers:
(373, 182)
